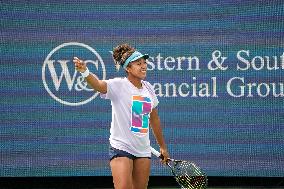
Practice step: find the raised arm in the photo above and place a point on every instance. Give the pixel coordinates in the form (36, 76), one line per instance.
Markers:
(93, 81)
(157, 130)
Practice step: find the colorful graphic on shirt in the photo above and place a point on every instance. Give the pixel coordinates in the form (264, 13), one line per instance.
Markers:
(141, 108)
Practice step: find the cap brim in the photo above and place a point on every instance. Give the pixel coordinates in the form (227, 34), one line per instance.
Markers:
(145, 56)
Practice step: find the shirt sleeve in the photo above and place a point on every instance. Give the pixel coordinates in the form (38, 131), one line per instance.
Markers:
(152, 93)
(112, 86)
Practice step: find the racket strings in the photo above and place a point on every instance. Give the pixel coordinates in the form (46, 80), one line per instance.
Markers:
(184, 181)
(192, 182)
(189, 176)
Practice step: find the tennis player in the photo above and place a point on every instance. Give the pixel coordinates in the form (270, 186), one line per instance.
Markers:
(134, 109)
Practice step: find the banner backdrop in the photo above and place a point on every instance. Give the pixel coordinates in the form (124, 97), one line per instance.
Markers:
(216, 66)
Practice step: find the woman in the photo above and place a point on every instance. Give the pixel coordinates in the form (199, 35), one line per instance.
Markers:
(133, 110)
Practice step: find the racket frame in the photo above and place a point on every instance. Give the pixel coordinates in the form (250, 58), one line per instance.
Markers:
(159, 155)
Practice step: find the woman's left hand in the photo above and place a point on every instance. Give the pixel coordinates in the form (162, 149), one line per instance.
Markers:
(165, 154)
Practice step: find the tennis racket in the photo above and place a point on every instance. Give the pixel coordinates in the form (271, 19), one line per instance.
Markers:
(187, 174)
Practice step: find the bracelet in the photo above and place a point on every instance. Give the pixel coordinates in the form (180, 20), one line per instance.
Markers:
(86, 73)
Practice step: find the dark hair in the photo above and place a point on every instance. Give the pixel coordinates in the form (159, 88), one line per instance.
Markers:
(121, 53)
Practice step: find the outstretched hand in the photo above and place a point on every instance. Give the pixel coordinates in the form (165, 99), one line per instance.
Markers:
(79, 65)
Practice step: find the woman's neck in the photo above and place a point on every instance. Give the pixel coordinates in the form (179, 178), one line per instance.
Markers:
(136, 82)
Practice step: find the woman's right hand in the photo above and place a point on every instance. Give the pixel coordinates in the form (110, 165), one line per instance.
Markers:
(79, 65)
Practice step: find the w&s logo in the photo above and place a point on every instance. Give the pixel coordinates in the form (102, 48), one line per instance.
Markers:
(65, 84)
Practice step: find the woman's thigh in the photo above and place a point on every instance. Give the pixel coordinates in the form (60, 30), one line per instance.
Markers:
(141, 172)
(121, 168)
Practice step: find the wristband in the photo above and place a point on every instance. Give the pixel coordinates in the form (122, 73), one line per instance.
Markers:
(86, 73)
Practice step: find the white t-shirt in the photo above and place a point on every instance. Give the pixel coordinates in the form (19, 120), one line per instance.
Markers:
(131, 108)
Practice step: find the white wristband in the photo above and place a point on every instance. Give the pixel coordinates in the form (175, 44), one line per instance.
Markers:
(86, 73)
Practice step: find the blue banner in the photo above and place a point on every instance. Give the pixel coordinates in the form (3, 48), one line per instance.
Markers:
(216, 67)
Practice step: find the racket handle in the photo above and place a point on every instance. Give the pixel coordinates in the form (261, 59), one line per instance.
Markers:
(156, 153)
